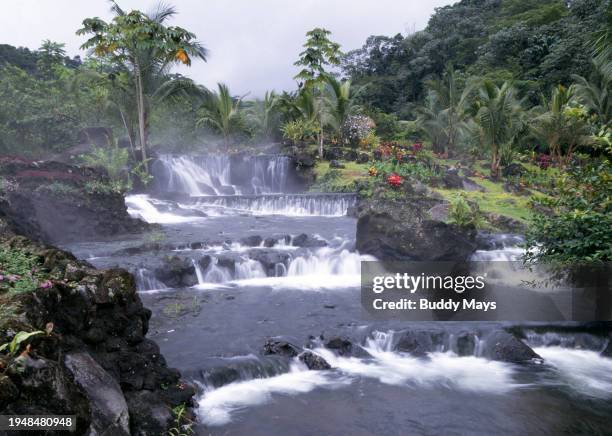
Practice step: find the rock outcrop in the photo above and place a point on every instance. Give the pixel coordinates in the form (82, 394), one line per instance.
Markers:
(90, 356)
(56, 202)
(401, 229)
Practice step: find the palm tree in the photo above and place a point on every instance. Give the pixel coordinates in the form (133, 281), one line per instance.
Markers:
(264, 113)
(595, 94)
(221, 112)
(339, 102)
(601, 46)
(432, 121)
(556, 123)
(143, 47)
(446, 109)
(499, 115)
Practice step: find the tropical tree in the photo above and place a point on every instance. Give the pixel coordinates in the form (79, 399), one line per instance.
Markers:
(265, 114)
(50, 54)
(143, 47)
(340, 102)
(444, 114)
(319, 52)
(601, 45)
(221, 112)
(499, 114)
(595, 94)
(559, 124)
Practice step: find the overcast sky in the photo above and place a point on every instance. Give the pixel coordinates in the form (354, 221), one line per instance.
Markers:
(252, 43)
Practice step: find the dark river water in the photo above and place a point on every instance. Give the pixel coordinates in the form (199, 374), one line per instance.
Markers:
(214, 331)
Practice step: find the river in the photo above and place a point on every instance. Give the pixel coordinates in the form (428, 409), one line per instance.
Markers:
(246, 292)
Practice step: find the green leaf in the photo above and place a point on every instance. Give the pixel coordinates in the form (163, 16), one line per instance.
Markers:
(20, 338)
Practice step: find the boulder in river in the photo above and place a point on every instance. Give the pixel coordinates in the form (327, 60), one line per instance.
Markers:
(314, 361)
(503, 346)
(269, 258)
(281, 348)
(252, 241)
(176, 272)
(404, 230)
(305, 241)
(419, 342)
(339, 344)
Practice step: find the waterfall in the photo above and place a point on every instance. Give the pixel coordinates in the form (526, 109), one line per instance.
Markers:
(269, 174)
(216, 174)
(285, 204)
(146, 281)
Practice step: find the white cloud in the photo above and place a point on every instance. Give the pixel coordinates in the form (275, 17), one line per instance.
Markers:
(252, 44)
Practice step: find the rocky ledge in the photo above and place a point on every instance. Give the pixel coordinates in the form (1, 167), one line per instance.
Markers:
(57, 202)
(402, 227)
(73, 342)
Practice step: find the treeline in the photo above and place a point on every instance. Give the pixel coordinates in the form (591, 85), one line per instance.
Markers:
(536, 44)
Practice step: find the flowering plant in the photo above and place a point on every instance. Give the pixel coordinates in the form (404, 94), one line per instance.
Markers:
(394, 180)
(373, 171)
(544, 161)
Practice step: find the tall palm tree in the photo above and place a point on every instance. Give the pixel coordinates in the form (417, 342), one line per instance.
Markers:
(142, 46)
(499, 115)
(601, 45)
(595, 94)
(265, 113)
(340, 102)
(432, 121)
(221, 112)
(450, 101)
(557, 125)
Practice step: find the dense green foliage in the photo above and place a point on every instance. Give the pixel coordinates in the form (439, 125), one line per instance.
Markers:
(538, 44)
(19, 271)
(496, 81)
(574, 223)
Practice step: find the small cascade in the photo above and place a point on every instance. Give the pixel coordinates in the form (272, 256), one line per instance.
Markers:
(249, 269)
(146, 281)
(154, 211)
(577, 340)
(193, 175)
(500, 247)
(217, 174)
(318, 266)
(327, 261)
(284, 204)
(269, 174)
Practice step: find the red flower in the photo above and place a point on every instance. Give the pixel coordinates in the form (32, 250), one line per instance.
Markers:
(416, 147)
(544, 161)
(394, 180)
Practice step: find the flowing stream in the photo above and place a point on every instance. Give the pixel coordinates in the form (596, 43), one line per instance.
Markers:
(252, 277)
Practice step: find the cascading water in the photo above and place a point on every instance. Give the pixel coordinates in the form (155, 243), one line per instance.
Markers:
(284, 204)
(198, 175)
(214, 174)
(269, 174)
(146, 281)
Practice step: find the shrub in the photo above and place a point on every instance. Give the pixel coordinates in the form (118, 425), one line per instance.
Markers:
(356, 128)
(463, 213)
(573, 224)
(113, 159)
(299, 130)
(19, 272)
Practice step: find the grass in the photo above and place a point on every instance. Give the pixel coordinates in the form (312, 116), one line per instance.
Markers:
(494, 200)
(347, 176)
